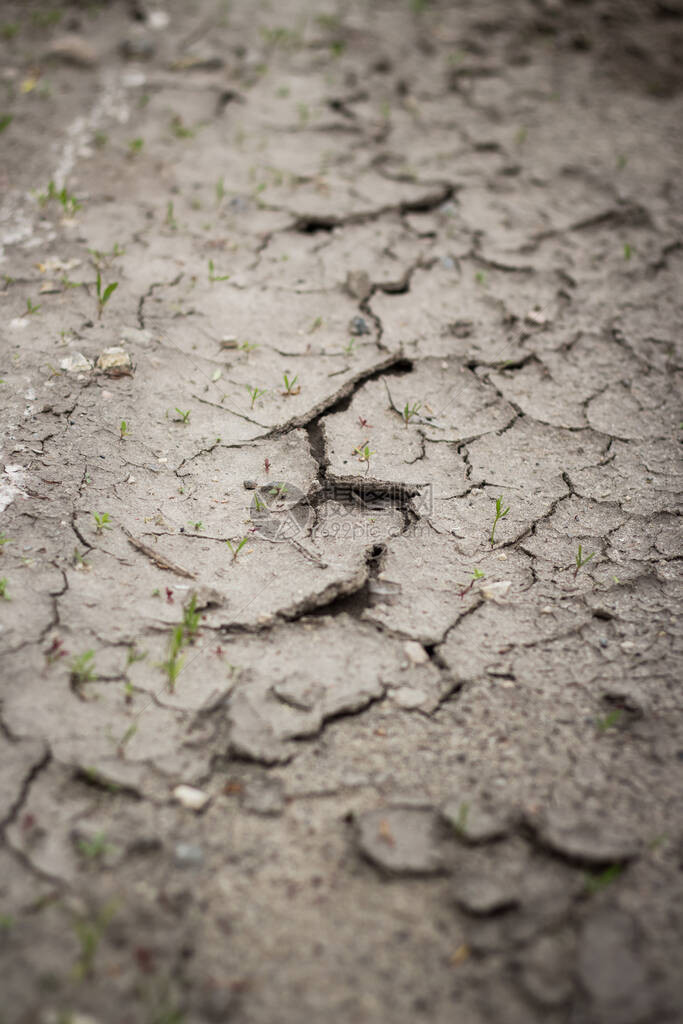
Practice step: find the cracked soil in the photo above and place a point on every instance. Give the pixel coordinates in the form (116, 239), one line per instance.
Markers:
(288, 731)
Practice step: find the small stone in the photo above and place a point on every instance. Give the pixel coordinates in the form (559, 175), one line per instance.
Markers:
(496, 592)
(191, 797)
(416, 652)
(158, 20)
(401, 840)
(249, 485)
(358, 284)
(537, 318)
(229, 341)
(18, 323)
(359, 326)
(73, 49)
(115, 361)
(76, 363)
(49, 288)
(409, 697)
(263, 796)
(188, 855)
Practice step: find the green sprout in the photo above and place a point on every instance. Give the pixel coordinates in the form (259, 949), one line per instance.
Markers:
(184, 416)
(30, 308)
(348, 349)
(255, 394)
(290, 389)
(102, 520)
(89, 931)
(124, 430)
(500, 514)
(364, 453)
(213, 276)
(609, 721)
(103, 296)
(581, 561)
(411, 410)
(135, 146)
(191, 618)
(628, 251)
(220, 191)
(180, 130)
(3, 589)
(94, 848)
(597, 882)
(174, 663)
(236, 548)
(170, 220)
(4, 539)
(82, 670)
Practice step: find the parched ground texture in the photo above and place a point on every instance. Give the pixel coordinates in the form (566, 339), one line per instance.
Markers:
(377, 266)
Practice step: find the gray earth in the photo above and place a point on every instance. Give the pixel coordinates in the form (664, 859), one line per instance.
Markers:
(292, 294)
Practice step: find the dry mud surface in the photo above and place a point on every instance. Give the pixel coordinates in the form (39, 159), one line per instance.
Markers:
(359, 763)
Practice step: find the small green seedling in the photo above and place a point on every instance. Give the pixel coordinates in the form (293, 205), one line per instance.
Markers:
(5, 121)
(213, 276)
(290, 388)
(597, 882)
(609, 721)
(476, 575)
(170, 220)
(82, 670)
(134, 655)
(102, 520)
(4, 539)
(255, 394)
(124, 430)
(248, 346)
(180, 130)
(348, 349)
(318, 322)
(89, 931)
(628, 251)
(220, 191)
(500, 514)
(411, 410)
(126, 738)
(30, 308)
(174, 663)
(236, 548)
(135, 146)
(460, 824)
(364, 453)
(191, 618)
(103, 296)
(184, 416)
(480, 277)
(94, 848)
(198, 526)
(581, 561)
(3, 589)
